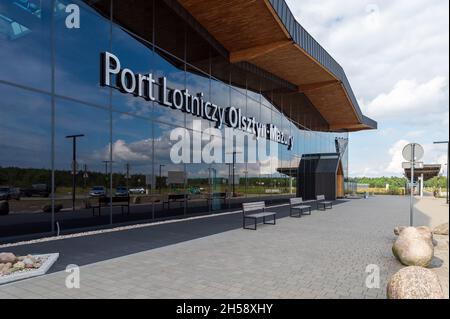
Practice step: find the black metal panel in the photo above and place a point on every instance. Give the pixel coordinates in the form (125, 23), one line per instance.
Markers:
(317, 176)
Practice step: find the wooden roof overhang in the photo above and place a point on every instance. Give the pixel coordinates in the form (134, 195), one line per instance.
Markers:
(428, 171)
(266, 34)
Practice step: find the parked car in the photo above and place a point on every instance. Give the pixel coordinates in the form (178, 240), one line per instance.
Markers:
(42, 190)
(8, 192)
(97, 191)
(137, 190)
(121, 191)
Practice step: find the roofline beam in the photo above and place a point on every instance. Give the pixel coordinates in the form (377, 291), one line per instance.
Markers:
(315, 86)
(254, 52)
(346, 126)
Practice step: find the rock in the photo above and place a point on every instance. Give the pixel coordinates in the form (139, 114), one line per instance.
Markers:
(7, 258)
(6, 266)
(4, 207)
(6, 269)
(441, 229)
(425, 232)
(414, 283)
(413, 247)
(19, 265)
(399, 229)
(28, 262)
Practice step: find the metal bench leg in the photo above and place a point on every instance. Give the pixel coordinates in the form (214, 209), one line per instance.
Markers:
(245, 226)
(272, 223)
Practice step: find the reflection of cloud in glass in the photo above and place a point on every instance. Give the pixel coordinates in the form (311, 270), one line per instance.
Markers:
(136, 152)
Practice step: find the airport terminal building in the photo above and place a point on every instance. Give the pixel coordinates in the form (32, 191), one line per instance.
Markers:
(92, 91)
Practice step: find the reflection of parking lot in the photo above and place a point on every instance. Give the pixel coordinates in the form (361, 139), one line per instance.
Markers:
(33, 205)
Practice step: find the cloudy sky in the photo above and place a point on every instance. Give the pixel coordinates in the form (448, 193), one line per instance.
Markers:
(396, 56)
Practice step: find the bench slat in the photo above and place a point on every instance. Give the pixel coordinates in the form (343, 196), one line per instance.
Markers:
(260, 215)
(301, 207)
(253, 206)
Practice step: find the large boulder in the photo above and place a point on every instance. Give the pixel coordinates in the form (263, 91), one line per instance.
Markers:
(414, 283)
(423, 230)
(414, 247)
(7, 258)
(426, 233)
(441, 229)
(399, 229)
(4, 207)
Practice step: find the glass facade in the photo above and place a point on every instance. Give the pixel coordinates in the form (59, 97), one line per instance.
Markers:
(50, 91)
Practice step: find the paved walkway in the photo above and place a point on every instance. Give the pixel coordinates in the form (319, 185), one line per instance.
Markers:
(436, 209)
(438, 213)
(320, 256)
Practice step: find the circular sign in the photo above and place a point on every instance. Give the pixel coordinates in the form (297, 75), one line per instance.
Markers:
(415, 148)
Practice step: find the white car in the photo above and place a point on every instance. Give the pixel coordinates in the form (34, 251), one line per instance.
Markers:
(137, 190)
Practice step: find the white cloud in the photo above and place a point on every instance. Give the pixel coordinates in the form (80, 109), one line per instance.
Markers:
(395, 54)
(395, 165)
(409, 98)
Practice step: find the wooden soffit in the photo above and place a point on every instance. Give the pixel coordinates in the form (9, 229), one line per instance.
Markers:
(251, 31)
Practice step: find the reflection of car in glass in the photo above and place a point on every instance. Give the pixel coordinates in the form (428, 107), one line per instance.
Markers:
(42, 190)
(194, 190)
(121, 191)
(7, 193)
(137, 190)
(97, 191)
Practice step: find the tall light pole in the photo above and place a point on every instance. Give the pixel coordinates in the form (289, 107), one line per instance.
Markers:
(160, 177)
(233, 187)
(127, 168)
(106, 171)
(74, 165)
(445, 142)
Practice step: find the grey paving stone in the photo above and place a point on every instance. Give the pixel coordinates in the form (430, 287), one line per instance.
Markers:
(320, 256)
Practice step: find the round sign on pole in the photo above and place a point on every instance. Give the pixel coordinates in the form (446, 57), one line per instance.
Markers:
(408, 152)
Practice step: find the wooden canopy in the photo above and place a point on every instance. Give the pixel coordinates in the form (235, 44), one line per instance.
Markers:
(265, 33)
(428, 171)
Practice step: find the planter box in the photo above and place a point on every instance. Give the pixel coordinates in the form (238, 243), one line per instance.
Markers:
(51, 259)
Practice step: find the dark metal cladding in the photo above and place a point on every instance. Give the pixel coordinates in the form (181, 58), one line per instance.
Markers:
(315, 50)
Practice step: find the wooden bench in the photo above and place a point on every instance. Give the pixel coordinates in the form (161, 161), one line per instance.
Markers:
(171, 198)
(249, 208)
(297, 205)
(122, 201)
(321, 202)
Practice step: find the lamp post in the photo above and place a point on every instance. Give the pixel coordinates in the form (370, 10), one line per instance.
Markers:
(445, 142)
(160, 177)
(233, 188)
(106, 172)
(127, 169)
(74, 165)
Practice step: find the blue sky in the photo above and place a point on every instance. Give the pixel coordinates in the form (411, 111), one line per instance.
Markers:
(396, 56)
